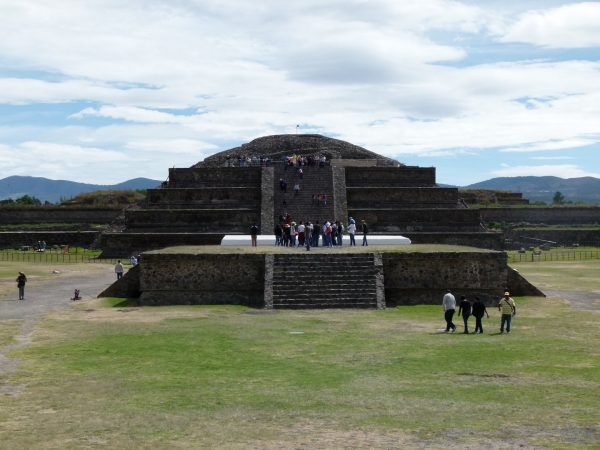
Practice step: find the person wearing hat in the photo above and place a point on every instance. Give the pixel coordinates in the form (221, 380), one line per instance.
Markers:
(449, 305)
(508, 309)
(479, 310)
(464, 310)
(21, 280)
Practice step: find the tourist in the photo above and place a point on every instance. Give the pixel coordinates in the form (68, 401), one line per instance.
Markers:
(21, 280)
(508, 308)
(287, 236)
(228, 158)
(44, 245)
(327, 234)
(301, 231)
(254, 234)
(283, 185)
(133, 260)
(119, 270)
(449, 305)
(324, 197)
(340, 235)
(308, 231)
(301, 173)
(365, 230)
(334, 233)
(288, 219)
(464, 310)
(278, 234)
(351, 231)
(296, 189)
(316, 233)
(479, 310)
(293, 234)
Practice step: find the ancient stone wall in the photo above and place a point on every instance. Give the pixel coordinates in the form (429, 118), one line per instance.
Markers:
(402, 197)
(390, 176)
(340, 202)
(490, 241)
(422, 278)
(204, 279)
(198, 221)
(433, 220)
(11, 239)
(549, 216)
(519, 286)
(217, 176)
(205, 197)
(57, 215)
(267, 207)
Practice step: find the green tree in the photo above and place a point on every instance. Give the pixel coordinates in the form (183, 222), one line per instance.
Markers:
(27, 200)
(558, 198)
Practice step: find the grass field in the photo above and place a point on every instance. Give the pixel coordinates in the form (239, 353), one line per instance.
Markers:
(104, 374)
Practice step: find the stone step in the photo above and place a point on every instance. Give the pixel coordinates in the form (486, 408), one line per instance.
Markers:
(325, 306)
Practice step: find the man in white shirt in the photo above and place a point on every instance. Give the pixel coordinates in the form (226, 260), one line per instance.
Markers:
(449, 305)
(119, 270)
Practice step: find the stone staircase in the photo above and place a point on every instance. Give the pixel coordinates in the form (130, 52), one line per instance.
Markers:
(316, 180)
(323, 281)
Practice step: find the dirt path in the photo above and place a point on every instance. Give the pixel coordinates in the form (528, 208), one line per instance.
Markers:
(577, 299)
(44, 294)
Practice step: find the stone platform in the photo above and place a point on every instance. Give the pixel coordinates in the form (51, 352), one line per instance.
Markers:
(245, 241)
(347, 277)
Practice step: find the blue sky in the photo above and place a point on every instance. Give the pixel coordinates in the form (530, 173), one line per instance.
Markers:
(106, 91)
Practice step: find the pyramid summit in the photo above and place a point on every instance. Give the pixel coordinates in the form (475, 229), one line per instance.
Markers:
(277, 146)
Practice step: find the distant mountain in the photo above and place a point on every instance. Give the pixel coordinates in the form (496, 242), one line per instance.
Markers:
(51, 190)
(585, 189)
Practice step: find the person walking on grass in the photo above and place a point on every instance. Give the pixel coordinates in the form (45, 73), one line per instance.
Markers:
(119, 270)
(508, 309)
(449, 305)
(464, 310)
(21, 280)
(479, 311)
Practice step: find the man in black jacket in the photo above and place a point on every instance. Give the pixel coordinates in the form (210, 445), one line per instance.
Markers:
(478, 312)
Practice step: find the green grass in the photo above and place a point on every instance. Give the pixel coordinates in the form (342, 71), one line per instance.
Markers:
(8, 330)
(230, 377)
(567, 275)
(418, 248)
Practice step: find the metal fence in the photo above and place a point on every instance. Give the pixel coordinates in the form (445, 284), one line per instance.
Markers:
(553, 256)
(55, 257)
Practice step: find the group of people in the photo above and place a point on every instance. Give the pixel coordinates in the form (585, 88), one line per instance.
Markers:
(248, 161)
(478, 310)
(319, 199)
(297, 161)
(306, 234)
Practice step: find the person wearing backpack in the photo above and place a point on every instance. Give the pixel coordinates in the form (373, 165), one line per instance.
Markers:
(327, 234)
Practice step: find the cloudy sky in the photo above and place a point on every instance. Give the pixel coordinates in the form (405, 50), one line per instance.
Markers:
(103, 91)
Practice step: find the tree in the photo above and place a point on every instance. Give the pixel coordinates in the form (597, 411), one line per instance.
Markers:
(558, 198)
(27, 200)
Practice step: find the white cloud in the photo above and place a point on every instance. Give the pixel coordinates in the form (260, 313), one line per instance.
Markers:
(551, 145)
(562, 171)
(550, 158)
(569, 26)
(190, 146)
